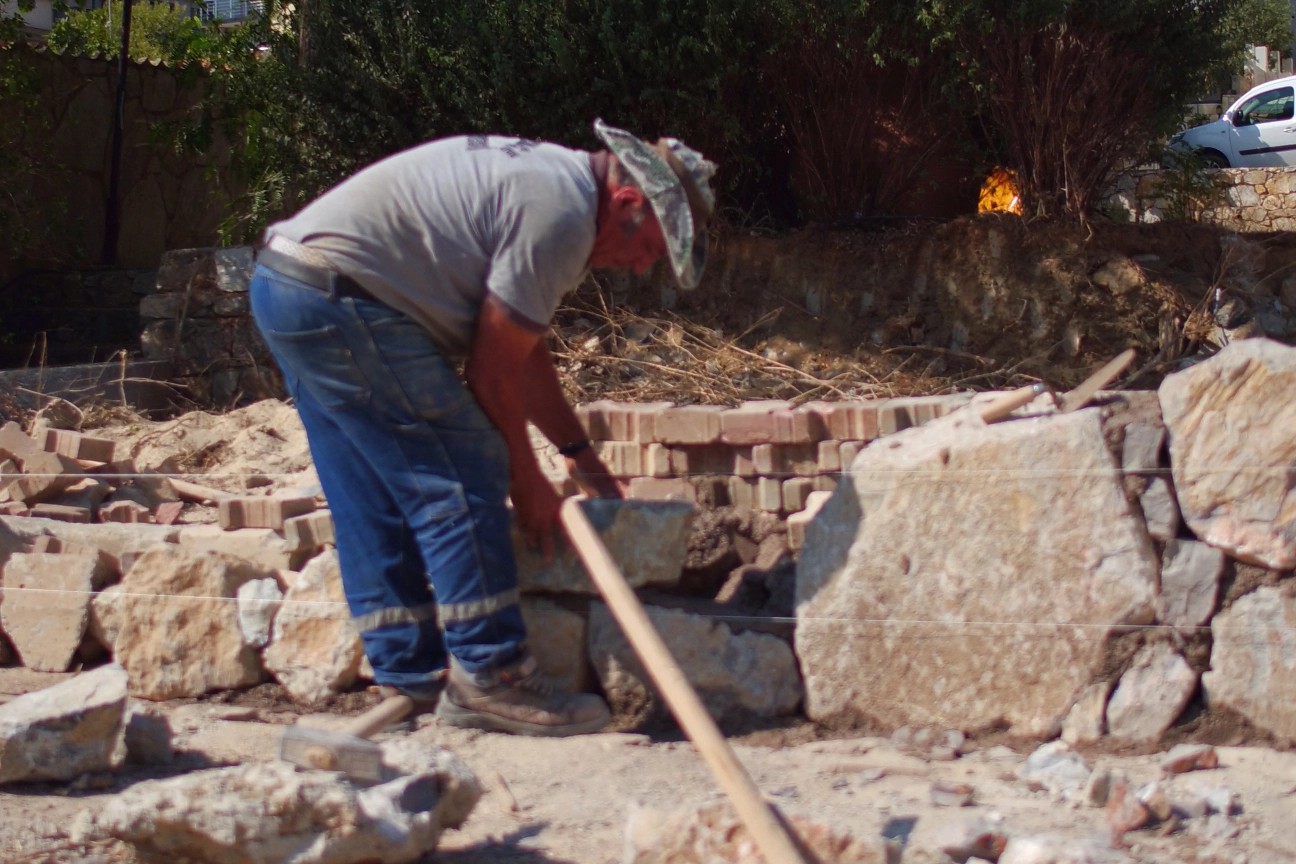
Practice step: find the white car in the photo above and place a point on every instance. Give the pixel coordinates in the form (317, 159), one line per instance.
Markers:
(1257, 131)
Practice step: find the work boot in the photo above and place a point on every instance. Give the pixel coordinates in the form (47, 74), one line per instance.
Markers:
(425, 696)
(518, 698)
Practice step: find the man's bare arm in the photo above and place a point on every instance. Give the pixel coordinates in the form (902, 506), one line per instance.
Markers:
(500, 352)
(549, 410)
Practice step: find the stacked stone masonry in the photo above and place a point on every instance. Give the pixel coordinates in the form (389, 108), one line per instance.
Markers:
(764, 455)
(1250, 199)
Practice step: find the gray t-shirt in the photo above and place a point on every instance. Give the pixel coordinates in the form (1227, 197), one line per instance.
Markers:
(432, 230)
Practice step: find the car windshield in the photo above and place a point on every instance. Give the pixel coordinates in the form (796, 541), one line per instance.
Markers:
(1266, 107)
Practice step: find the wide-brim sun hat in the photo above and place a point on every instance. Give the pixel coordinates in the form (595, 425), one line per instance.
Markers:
(676, 180)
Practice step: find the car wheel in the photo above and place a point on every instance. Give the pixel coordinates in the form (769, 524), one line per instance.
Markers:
(1214, 159)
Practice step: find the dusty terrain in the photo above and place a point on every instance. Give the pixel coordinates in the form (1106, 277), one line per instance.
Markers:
(567, 800)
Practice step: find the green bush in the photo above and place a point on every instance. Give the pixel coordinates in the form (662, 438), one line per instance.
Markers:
(159, 31)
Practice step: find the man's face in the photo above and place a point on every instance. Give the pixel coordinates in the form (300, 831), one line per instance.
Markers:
(632, 238)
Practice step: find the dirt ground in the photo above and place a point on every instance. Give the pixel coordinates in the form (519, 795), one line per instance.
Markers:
(567, 800)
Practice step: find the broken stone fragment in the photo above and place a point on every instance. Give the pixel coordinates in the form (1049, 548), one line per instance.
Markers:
(269, 513)
(44, 476)
(315, 651)
(1141, 452)
(1160, 509)
(1230, 419)
(648, 539)
(969, 838)
(105, 566)
(258, 601)
(714, 834)
(310, 531)
(272, 814)
(1057, 768)
(1151, 694)
(1125, 812)
(1251, 668)
(919, 549)
(737, 675)
(46, 607)
(1057, 849)
(66, 730)
(1190, 578)
(17, 534)
(262, 546)
(179, 634)
(1183, 758)
(1086, 720)
(129, 512)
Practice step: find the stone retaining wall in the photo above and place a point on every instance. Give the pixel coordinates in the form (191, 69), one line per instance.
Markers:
(1250, 199)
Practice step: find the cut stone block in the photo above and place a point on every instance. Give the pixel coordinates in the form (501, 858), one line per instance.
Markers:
(1190, 579)
(795, 492)
(768, 494)
(662, 489)
(737, 676)
(316, 650)
(61, 513)
(74, 445)
(849, 450)
(64, 731)
(44, 476)
(17, 534)
(124, 511)
(261, 512)
(46, 607)
(310, 531)
(179, 634)
(692, 424)
(752, 422)
(1230, 420)
(648, 539)
(797, 522)
(657, 461)
(557, 637)
(829, 461)
(918, 543)
(622, 458)
(742, 492)
(781, 460)
(1253, 659)
(1151, 694)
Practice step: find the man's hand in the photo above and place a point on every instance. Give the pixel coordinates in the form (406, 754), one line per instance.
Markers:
(535, 507)
(589, 472)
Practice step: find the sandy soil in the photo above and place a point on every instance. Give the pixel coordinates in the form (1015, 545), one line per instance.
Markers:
(567, 800)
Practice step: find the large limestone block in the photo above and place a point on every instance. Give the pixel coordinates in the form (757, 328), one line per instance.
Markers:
(66, 730)
(46, 607)
(557, 638)
(1232, 425)
(273, 814)
(737, 675)
(176, 623)
(1253, 659)
(316, 650)
(964, 574)
(1151, 694)
(648, 539)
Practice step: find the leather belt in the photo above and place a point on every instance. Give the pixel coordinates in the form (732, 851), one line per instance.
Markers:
(330, 282)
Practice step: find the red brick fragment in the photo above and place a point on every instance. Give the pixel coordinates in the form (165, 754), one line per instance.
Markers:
(261, 512)
(168, 512)
(125, 511)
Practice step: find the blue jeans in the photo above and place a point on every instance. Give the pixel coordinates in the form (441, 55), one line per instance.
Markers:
(415, 474)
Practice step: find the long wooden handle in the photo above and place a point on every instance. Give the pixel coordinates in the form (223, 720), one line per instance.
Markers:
(381, 716)
(1010, 402)
(769, 833)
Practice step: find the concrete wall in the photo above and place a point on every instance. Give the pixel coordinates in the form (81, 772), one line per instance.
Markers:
(169, 200)
(1250, 199)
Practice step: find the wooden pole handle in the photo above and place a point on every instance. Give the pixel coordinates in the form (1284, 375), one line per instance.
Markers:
(1010, 402)
(380, 716)
(770, 835)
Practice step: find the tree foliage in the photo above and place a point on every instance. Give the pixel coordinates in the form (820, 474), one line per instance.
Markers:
(1258, 22)
(159, 31)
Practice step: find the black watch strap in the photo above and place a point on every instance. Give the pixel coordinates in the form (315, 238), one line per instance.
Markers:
(570, 450)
